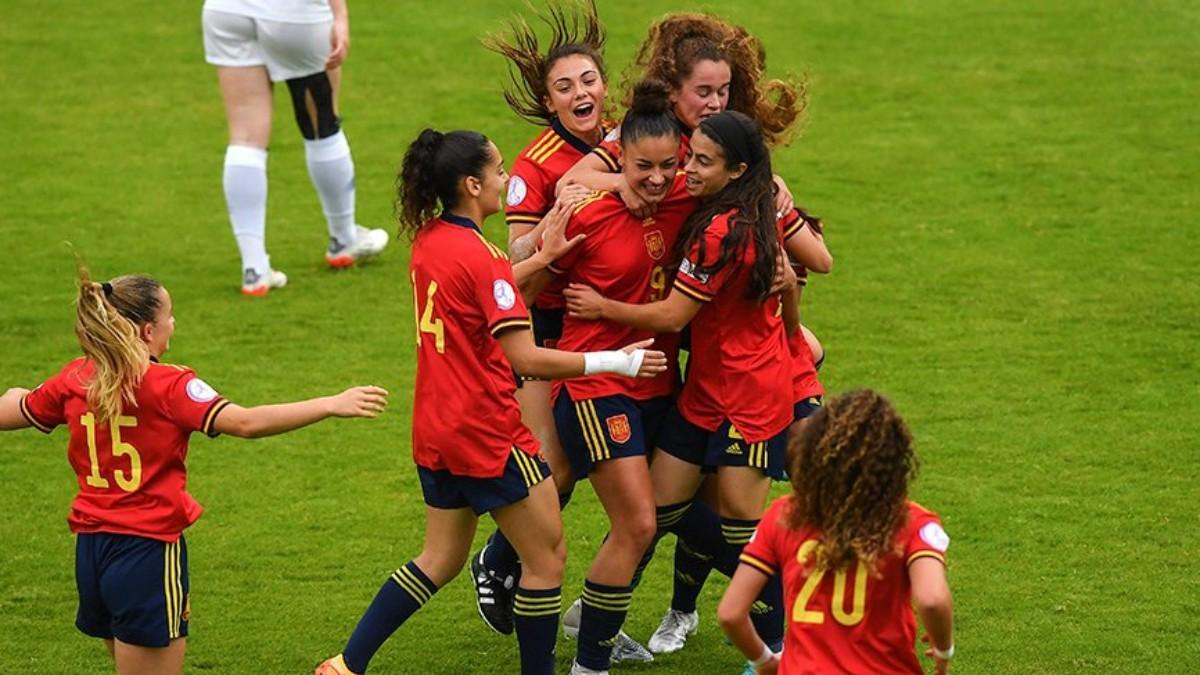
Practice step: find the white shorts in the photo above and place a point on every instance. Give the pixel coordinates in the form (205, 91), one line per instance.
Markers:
(288, 50)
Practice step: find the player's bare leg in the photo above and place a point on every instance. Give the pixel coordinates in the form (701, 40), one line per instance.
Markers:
(448, 535)
(674, 480)
(534, 526)
(134, 660)
(248, 104)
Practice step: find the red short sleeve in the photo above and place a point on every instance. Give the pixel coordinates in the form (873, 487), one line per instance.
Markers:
(924, 537)
(496, 293)
(791, 224)
(704, 286)
(764, 553)
(609, 151)
(44, 406)
(529, 197)
(192, 404)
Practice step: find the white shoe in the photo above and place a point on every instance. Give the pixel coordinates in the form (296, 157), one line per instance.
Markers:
(368, 243)
(257, 285)
(577, 669)
(570, 619)
(673, 631)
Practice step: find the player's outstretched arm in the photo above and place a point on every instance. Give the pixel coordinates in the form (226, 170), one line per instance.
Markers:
(268, 420)
(734, 616)
(669, 315)
(528, 359)
(935, 606)
(10, 410)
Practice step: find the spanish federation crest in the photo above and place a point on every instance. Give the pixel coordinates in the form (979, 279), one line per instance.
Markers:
(655, 245)
(618, 428)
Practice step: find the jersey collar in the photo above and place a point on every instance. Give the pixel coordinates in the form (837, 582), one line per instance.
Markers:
(575, 141)
(458, 220)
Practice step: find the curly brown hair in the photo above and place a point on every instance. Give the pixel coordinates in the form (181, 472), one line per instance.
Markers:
(575, 28)
(677, 42)
(850, 467)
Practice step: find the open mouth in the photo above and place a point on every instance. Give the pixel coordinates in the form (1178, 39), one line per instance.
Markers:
(654, 190)
(692, 182)
(583, 110)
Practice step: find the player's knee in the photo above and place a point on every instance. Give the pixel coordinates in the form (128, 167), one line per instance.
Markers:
(442, 566)
(312, 103)
(545, 566)
(637, 532)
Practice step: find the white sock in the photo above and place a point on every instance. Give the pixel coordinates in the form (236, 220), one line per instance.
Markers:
(246, 197)
(332, 171)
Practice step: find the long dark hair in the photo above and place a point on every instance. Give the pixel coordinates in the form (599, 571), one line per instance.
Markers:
(574, 29)
(433, 165)
(751, 198)
(649, 113)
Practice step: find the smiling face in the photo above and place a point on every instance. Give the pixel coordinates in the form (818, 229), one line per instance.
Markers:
(157, 333)
(706, 168)
(649, 164)
(703, 93)
(576, 94)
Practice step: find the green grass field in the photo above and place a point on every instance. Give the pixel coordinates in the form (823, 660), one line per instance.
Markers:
(1010, 192)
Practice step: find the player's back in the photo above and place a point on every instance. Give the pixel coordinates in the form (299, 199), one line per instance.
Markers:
(131, 469)
(465, 415)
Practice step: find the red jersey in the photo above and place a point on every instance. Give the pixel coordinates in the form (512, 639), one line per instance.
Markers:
(849, 621)
(465, 414)
(805, 383)
(534, 176)
(609, 149)
(132, 478)
(740, 367)
(624, 258)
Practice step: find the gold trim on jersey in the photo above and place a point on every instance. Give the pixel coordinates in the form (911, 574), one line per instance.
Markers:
(757, 564)
(926, 554)
(505, 324)
(210, 417)
(590, 199)
(495, 250)
(691, 292)
(608, 158)
(28, 415)
(545, 153)
(547, 136)
(522, 219)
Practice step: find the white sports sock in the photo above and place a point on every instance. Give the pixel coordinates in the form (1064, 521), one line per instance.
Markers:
(332, 171)
(246, 197)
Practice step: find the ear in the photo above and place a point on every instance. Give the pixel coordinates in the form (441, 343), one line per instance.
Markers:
(547, 106)
(146, 331)
(473, 186)
(738, 172)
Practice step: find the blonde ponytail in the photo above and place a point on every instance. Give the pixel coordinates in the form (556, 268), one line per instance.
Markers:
(107, 316)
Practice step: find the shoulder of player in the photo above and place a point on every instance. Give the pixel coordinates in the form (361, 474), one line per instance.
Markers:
(917, 511)
(599, 205)
(546, 145)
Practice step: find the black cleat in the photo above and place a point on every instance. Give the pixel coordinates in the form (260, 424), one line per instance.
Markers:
(492, 597)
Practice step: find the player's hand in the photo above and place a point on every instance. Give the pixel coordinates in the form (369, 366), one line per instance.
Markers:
(783, 197)
(785, 274)
(940, 666)
(653, 361)
(554, 235)
(633, 201)
(572, 193)
(339, 43)
(770, 667)
(583, 302)
(360, 402)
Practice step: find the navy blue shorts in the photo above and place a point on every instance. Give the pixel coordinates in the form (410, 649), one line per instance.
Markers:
(547, 325)
(806, 408)
(132, 588)
(444, 490)
(596, 429)
(723, 447)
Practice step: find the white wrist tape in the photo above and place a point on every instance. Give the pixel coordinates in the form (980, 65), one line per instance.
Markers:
(943, 655)
(767, 655)
(613, 362)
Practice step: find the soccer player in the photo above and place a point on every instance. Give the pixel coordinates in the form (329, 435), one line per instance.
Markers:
(129, 418)
(472, 452)
(855, 554)
(563, 89)
(253, 44)
(711, 66)
(608, 425)
(736, 405)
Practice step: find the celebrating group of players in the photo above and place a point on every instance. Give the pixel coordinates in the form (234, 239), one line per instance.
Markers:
(630, 244)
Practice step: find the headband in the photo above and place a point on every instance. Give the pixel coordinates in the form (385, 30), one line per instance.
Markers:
(730, 134)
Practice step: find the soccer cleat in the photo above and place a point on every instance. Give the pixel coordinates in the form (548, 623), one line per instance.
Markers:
(628, 650)
(625, 649)
(673, 631)
(334, 666)
(492, 597)
(367, 243)
(577, 669)
(257, 285)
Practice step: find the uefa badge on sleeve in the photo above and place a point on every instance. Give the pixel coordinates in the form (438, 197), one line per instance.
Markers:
(503, 293)
(516, 191)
